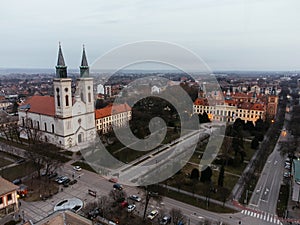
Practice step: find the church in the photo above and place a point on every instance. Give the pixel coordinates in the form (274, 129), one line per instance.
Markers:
(61, 119)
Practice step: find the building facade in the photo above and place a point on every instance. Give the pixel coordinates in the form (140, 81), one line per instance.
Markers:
(8, 198)
(227, 107)
(112, 115)
(63, 119)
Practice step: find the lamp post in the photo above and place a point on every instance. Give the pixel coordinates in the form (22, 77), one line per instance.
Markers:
(23, 216)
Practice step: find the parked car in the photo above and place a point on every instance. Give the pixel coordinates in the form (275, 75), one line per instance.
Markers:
(17, 181)
(287, 166)
(66, 181)
(20, 161)
(165, 220)
(135, 198)
(73, 182)
(152, 214)
(62, 180)
(287, 174)
(52, 175)
(58, 178)
(113, 180)
(118, 186)
(77, 168)
(130, 208)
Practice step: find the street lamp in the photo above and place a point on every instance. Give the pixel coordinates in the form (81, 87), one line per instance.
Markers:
(23, 216)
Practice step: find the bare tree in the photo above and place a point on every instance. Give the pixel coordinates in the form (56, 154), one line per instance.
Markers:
(177, 216)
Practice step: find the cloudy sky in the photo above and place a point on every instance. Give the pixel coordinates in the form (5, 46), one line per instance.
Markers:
(226, 34)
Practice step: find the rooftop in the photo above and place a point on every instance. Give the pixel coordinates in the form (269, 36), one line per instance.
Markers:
(111, 110)
(44, 105)
(6, 186)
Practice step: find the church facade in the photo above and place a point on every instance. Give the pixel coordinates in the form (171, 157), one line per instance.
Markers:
(63, 119)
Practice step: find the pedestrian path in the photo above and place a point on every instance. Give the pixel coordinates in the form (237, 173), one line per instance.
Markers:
(262, 216)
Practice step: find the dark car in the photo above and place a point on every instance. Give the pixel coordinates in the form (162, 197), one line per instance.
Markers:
(52, 175)
(17, 181)
(165, 220)
(73, 182)
(66, 181)
(118, 186)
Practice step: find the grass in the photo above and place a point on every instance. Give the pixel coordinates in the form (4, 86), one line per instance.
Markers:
(4, 162)
(67, 153)
(283, 200)
(250, 187)
(18, 171)
(183, 181)
(9, 155)
(196, 202)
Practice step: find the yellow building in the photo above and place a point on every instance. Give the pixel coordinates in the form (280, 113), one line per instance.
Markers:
(112, 115)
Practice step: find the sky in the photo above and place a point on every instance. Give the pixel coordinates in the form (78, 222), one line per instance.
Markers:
(226, 34)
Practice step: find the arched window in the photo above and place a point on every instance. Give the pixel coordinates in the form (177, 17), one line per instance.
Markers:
(57, 97)
(52, 128)
(81, 96)
(79, 138)
(45, 124)
(38, 125)
(58, 100)
(67, 100)
(89, 96)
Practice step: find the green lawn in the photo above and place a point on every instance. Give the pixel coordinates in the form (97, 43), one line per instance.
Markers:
(183, 181)
(4, 162)
(18, 171)
(196, 202)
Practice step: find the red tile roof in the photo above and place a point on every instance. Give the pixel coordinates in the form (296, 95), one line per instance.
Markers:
(201, 101)
(107, 111)
(44, 105)
(6, 186)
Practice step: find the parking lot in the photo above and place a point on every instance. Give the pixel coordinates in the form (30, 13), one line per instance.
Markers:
(87, 182)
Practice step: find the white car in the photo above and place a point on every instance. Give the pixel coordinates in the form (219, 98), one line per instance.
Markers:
(77, 168)
(130, 208)
(135, 198)
(152, 214)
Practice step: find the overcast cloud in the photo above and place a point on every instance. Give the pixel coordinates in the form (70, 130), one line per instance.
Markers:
(227, 34)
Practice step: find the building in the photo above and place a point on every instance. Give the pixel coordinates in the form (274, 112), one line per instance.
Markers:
(64, 217)
(112, 115)
(66, 119)
(227, 107)
(8, 197)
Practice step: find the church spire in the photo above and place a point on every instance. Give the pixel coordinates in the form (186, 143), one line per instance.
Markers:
(61, 69)
(84, 68)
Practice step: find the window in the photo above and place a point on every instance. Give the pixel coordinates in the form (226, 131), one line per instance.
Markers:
(45, 125)
(38, 125)
(52, 128)
(23, 121)
(58, 100)
(1, 200)
(67, 100)
(89, 97)
(9, 197)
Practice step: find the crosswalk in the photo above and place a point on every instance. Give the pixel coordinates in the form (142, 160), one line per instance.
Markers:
(262, 216)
